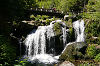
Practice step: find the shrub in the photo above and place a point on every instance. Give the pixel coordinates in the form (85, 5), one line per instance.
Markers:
(53, 18)
(7, 51)
(87, 64)
(91, 51)
(38, 16)
(48, 21)
(36, 19)
(32, 16)
(72, 5)
(44, 17)
(97, 58)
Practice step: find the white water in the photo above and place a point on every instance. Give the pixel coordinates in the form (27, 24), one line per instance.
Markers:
(64, 32)
(36, 43)
(79, 30)
(64, 36)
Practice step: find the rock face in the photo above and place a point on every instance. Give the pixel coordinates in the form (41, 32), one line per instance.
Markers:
(73, 50)
(66, 63)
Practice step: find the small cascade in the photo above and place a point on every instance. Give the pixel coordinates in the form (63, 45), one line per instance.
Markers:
(64, 31)
(38, 41)
(64, 36)
(20, 43)
(79, 34)
(79, 30)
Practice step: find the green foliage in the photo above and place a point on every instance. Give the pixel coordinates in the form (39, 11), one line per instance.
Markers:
(23, 62)
(97, 58)
(44, 17)
(32, 17)
(37, 18)
(93, 16)
(63, 5)
(48, 4)
(71, 31)
(48, 21)
(91, 51)
(56, 4)
(93, 30)
(44, 4)
(16, 10)
(57, 28)
(71, 34)
(41, 19)
(29, 3)
(68, 23)
(7, 51)
(87, 64)
(93, 6)
(93, 22)
(72, 5)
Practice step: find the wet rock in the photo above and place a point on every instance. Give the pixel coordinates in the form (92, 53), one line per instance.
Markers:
(74, 50)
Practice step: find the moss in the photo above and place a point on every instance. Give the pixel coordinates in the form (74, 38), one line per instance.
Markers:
(57, 28)
(69, 53)
(74, 51)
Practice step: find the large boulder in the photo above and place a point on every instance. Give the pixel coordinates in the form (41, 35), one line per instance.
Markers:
(74, 50)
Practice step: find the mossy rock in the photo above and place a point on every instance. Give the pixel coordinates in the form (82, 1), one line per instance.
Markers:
(73, 51)
(57, 28)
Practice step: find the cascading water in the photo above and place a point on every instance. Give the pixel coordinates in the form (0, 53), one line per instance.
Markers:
(79, 33)
(79, 30)
(64, 36)
(36, 44)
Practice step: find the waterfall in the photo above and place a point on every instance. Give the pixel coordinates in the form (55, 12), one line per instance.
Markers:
(64, 31)
(79, 30)
(38, 41)
(64, 36)
(79, 33)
